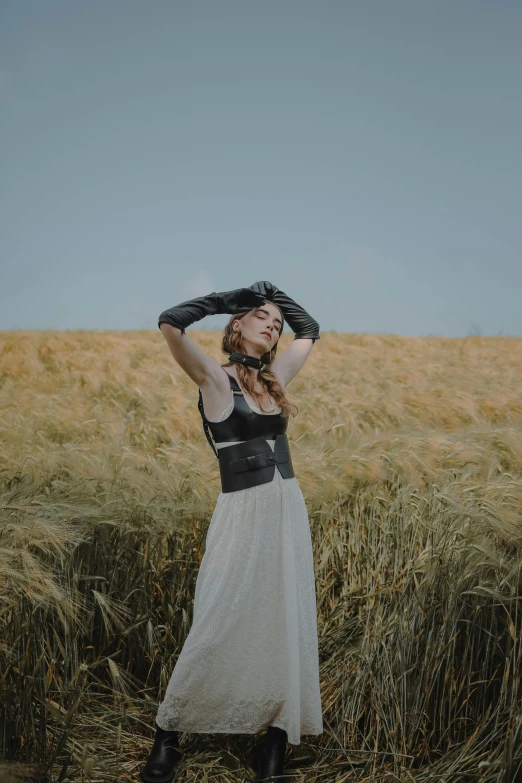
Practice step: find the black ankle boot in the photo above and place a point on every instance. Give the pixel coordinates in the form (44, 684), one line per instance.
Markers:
(269, 757)
(164, 756)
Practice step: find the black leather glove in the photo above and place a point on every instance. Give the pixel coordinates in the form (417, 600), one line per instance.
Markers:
(236, 301)
(298, 319)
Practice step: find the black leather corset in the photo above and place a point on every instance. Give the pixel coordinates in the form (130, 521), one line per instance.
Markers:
(243, 423)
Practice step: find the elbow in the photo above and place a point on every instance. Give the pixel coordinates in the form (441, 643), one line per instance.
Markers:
(169, 325)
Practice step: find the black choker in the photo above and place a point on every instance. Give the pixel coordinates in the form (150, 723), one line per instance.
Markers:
(244, 358)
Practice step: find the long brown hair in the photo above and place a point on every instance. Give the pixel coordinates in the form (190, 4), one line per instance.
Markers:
(232, 342)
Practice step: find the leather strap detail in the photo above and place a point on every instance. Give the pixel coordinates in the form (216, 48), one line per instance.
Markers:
(259, 461)
(248, 464)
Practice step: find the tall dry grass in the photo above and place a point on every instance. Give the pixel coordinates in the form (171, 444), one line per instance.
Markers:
(409, 454)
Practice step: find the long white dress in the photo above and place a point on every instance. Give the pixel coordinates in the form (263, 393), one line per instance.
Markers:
(251, 658)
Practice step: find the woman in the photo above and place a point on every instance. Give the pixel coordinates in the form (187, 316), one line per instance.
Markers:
(250, 660)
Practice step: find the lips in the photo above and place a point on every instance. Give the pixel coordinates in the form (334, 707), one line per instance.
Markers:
(267, 335)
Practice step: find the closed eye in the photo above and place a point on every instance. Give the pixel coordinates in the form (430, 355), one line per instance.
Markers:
(262, 317)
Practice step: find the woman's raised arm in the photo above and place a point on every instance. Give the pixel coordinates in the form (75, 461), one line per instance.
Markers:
(175, 320)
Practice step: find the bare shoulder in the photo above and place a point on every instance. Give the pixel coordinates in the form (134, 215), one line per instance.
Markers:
(216, 378)
(216, 392)
(278, 376)
(287, 365)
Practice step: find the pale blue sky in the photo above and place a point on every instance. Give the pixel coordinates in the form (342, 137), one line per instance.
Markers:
(365, 157)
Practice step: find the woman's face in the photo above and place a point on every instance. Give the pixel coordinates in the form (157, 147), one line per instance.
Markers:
(261, 329)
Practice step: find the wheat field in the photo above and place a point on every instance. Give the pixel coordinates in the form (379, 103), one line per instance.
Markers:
(409, 455)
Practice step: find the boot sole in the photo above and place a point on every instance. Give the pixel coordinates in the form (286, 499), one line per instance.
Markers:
(167, 779)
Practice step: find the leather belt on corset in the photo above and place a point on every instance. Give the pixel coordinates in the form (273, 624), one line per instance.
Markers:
(253, 462)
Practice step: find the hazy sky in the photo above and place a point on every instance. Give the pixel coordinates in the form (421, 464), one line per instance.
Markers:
(364, 156)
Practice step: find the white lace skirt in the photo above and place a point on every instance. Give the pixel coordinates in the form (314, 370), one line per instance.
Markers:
(251, 658)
